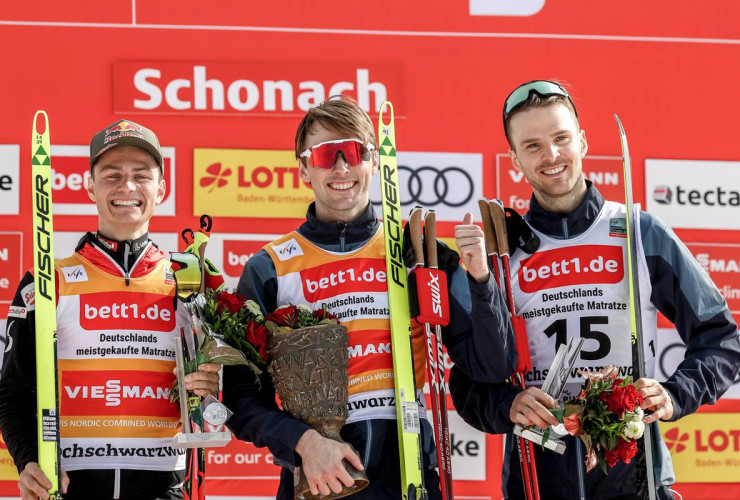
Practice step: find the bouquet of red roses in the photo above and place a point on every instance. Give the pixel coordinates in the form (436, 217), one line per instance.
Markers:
(607, 417)
(290, 317)
(229, 330)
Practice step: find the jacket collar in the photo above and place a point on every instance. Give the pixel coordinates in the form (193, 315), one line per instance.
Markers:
(327, 233)
(563, 226)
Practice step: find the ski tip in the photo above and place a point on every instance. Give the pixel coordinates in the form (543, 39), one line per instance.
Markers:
(389, 106)
(40, 121)
(619, 123)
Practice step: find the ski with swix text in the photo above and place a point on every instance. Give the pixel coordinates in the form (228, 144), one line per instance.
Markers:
(644, 459)
(47, 392)
(407, 408)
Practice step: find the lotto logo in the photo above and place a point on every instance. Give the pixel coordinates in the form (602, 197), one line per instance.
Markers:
(582, 265)
(104, 311)
(336, 278)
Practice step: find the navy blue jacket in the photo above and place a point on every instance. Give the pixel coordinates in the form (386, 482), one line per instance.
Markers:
(258, 419)
(683, 293)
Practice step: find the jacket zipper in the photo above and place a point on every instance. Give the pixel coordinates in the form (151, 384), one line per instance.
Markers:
(342, 235)
(126, 251)
(565, 227)
(369, 444)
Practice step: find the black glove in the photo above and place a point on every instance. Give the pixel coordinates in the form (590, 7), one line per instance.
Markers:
(519, 233)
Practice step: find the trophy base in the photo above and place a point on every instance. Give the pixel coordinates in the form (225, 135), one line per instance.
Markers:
(201, 439)
(303, 491)
(535, 435)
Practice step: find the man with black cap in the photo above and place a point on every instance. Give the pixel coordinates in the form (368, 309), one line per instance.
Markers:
(116, 319)
(575, 285)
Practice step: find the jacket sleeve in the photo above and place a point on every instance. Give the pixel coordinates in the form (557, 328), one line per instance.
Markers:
(257, 417)
(479, 338)
(18, 379)
(482, 405)
(683, 292)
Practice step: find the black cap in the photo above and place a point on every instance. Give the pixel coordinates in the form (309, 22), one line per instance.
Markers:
(125, 133)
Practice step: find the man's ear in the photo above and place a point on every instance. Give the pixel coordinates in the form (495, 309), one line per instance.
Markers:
(584, 144)
(376, 160)
(515, 160)
(303, 172)
(161, 190)
(90, 188)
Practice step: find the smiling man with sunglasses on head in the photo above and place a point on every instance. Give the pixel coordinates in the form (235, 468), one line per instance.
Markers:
(337, 258)
(575, 223)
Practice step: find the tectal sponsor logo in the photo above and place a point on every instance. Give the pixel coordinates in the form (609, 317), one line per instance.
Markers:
(201, 93)
(113, 391)
(716, 196)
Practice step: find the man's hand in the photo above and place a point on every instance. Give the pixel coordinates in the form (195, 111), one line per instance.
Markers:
(34, 484)
(530, 407)
(322, 462)
(205, 380)
(470, 241)
(656, 399)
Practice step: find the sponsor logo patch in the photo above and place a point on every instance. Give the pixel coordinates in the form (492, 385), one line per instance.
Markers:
(74, 274)
(29, 296)
(618, 227)
(288, 250)
(145, 311)
(17, 312)
(580, 265)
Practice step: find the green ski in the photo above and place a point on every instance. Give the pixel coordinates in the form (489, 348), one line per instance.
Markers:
(644, 457)
(47, 387)
(407, 409)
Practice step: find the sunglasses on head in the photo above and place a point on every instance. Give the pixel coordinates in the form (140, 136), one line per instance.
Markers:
(324, 155)
(542, 88)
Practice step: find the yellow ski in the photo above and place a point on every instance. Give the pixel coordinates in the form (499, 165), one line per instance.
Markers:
(407, 409)
(47, 388)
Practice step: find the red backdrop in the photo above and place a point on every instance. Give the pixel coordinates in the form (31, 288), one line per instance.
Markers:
(224, 83)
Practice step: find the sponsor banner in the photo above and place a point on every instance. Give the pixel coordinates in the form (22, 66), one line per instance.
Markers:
(580, 265)
(705, 447)
(670, 353)
(328, 280)
(158, 454)
(142, 311)
(65, 242)
(468, 447)
(450, 183)
(11, 267)
(230, 252)
(248, 183)
(694, 194)
(722, 262)
(117, 392)
(248, 88)
(514, 190)
(9, 179)
(71, 170)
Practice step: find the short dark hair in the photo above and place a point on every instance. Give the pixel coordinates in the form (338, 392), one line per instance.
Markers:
(537, 101)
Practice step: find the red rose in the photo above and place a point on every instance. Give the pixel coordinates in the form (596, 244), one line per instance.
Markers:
(621, 399)
(572, 424)
(285, 316)
(322, 314)
(611, 457)
(257, 336)
(626, 450)
(231, 302)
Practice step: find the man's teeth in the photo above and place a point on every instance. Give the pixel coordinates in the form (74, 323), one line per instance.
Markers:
(341, 185)
(126, 203)
(555, 170)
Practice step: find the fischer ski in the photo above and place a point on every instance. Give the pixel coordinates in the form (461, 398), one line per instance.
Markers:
(430, 307)
(644, 457)
(47, 387)
(407, 409)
